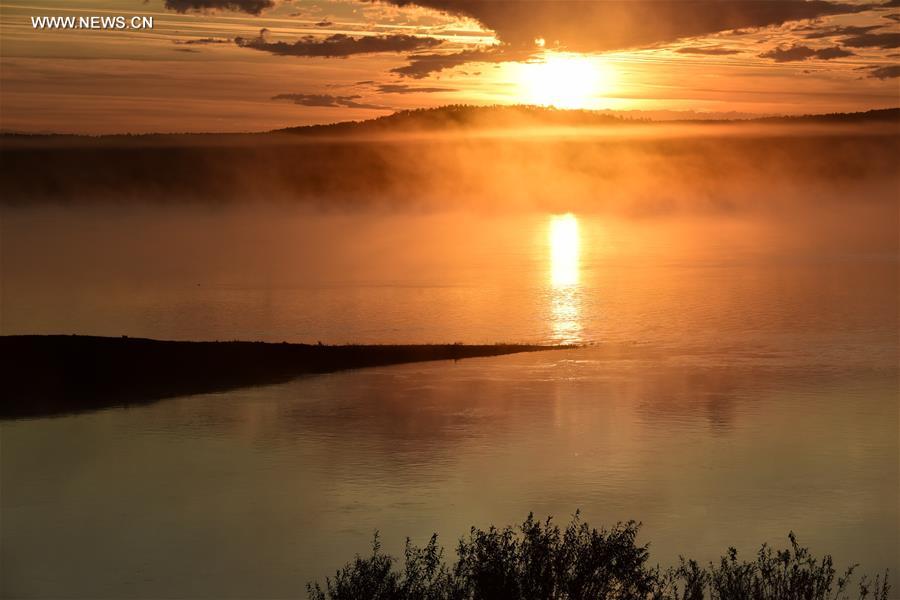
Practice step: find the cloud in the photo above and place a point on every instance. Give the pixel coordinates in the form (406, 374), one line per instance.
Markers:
(199, 41)
(617, 24)
(402, 88)
(874, 40)
(253, 7)
(789, 54)
(836, 31)
(327, 100)
(889, 72)
(796, 53)
(339, 45)
(707, 50)
(833, 52)
(422, 65)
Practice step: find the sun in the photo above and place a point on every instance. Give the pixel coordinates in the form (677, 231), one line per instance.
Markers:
(564, 81)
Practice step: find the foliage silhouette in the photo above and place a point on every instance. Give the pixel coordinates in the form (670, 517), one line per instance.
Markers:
(539, 561)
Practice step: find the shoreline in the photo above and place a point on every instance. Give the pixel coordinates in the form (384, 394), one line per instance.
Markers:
(53, 375)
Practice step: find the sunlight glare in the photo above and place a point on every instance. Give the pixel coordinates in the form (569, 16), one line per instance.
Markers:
(564, 250)
(565, 292)
(563, 81)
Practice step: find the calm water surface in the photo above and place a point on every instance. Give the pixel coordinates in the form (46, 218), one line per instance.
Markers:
(735, 386)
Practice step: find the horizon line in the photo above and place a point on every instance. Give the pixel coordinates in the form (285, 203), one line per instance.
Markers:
(611, 113)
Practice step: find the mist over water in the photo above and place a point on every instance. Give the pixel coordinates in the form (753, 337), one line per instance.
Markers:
(736, 294)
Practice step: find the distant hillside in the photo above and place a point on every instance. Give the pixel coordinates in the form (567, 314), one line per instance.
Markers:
(883, 114)
(458, 117)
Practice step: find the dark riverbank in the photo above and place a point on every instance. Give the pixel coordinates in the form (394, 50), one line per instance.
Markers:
(57, 374)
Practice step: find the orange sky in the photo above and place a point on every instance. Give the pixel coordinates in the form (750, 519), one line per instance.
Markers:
(207, 65)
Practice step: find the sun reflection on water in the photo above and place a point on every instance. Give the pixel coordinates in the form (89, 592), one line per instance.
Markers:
(565, 272)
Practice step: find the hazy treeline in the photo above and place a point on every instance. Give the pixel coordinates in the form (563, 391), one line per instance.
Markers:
(539, 561)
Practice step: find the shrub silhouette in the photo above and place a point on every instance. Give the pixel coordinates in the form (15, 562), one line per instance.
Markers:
(539, 561)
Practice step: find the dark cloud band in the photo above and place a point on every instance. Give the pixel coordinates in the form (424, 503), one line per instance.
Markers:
(708, 50)
(839, 31)
(327, 100)
(422, 65)
(339, 45)
(617, 24)
(402, 88)
(253, 7)
(888, 72)
(797, 53)
(874, 40)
